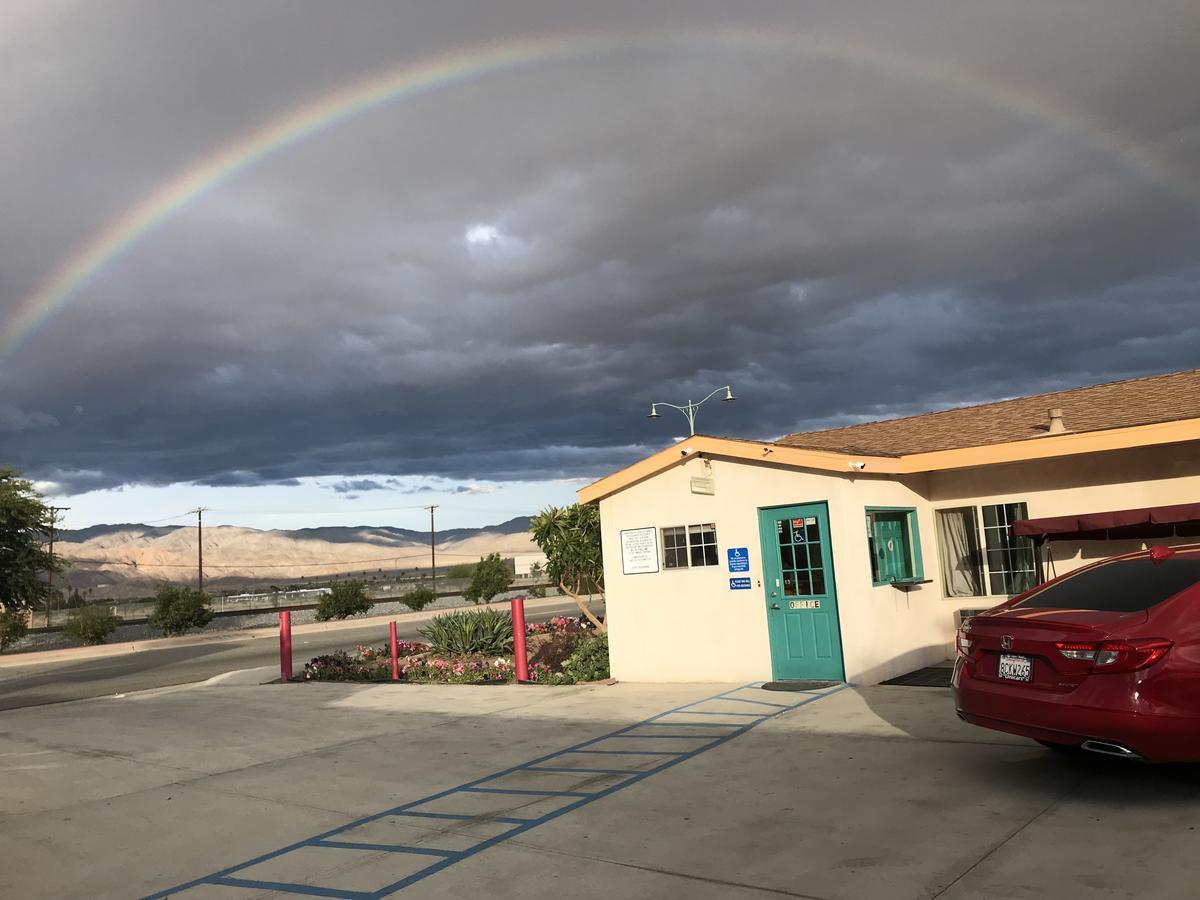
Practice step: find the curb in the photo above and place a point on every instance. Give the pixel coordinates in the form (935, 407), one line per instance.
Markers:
(240, 677)
(73, 654)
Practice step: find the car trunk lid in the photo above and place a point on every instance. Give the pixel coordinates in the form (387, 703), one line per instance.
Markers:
(1036, 634)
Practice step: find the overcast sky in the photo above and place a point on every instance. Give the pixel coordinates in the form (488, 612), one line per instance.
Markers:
(470, 295)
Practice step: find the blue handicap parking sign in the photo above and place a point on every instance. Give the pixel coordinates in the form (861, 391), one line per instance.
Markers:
(739, 559)
(739, 584)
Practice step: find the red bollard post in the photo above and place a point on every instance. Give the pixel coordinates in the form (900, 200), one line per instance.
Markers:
(395, 652)
(285, 645)
(520, 660)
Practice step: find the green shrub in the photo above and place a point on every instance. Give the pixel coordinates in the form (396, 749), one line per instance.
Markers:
(179, 608)
(418, 598)
(473, 631)
(491, 577)
(461, 570)
(349, 598)
(13, 625)
(91, 624)
(589, 662)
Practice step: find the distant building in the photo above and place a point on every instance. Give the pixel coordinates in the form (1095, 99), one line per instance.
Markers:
(524, 562)
(851, 554)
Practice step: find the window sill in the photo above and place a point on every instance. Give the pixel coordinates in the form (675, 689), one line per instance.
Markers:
(909, 583)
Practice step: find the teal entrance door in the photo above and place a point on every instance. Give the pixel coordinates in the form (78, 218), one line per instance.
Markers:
(801, 597)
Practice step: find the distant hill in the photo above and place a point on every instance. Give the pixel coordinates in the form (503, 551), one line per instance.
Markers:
(388, 536)
(97, 531)
(127, 560)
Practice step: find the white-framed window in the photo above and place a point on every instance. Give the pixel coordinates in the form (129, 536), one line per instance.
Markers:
(674, 543)
(689, 545)
(703, 541)
(998, 565)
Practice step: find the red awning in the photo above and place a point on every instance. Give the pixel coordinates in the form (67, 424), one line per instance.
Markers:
(1182, 519)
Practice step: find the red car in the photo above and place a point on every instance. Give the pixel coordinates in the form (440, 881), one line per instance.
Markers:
(1105, 658)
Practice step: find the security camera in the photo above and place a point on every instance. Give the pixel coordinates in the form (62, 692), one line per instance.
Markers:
(684, 451)
(858, 466)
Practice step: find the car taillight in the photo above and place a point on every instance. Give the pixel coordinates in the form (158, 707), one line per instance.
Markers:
(964, 640)
(1077, 651)
(1117, 656)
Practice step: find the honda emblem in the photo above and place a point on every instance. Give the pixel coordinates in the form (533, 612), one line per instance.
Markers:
(1006, 642)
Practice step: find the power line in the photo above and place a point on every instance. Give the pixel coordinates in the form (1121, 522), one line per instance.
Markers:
(167, 518)
(318, 512)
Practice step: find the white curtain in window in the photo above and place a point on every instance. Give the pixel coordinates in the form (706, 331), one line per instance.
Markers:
(959, 544)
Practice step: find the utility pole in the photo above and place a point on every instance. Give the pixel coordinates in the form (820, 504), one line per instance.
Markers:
(432, 552)
(54, 511)
(199, 511)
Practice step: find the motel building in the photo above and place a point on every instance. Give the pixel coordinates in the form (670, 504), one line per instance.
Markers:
(852, 554)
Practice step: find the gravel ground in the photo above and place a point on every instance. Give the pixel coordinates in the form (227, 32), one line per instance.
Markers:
(56, 640)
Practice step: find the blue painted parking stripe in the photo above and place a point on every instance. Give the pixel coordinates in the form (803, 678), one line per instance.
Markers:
(460, 817)
(391, 848)
(706, 712)
(565, 769)
(523, 791)
(747, 700)
(673, 758)
(289, 888)
(634, 752)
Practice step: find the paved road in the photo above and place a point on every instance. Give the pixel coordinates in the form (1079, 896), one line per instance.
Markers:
(58, 682)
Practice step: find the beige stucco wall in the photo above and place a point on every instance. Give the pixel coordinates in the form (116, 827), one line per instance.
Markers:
(687, 625)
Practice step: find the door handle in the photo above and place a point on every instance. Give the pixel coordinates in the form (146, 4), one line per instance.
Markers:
(774, 606)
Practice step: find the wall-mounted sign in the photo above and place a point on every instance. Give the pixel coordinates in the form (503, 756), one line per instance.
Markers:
(739, 584)
(804, 604)
(703, 486)
(739, 559)
(639, 550)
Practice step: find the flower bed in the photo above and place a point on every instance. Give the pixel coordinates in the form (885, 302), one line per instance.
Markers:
(551, 648)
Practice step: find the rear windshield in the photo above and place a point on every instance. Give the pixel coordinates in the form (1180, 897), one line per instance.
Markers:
(1129, 585)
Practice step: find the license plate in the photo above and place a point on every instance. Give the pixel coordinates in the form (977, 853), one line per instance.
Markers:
(1016, 668)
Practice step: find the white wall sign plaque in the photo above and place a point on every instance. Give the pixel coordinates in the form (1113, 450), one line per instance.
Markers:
(639, 551)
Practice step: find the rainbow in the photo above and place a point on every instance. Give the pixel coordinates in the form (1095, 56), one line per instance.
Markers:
(460, 66)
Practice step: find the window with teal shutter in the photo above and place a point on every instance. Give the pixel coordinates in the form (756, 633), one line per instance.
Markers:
(894, 543)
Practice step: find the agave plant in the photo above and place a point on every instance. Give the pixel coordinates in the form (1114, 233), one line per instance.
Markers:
(470, 632)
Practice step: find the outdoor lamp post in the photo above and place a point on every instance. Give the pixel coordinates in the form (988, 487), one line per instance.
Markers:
(691, 409)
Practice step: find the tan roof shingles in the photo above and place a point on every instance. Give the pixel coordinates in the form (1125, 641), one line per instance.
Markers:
(1119, 404)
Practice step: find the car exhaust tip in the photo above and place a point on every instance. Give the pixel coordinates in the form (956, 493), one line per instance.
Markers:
(1108, 748)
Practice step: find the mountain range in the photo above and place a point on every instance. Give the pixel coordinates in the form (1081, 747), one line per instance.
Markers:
(127, 560)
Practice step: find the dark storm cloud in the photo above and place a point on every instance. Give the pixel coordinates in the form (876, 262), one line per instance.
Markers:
(493, 281)
(358, 484)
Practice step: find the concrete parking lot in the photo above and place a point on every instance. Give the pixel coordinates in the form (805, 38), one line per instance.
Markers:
(705, 791)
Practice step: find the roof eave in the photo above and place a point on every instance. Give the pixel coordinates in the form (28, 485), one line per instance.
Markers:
(1047, 447)
(727, 448)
